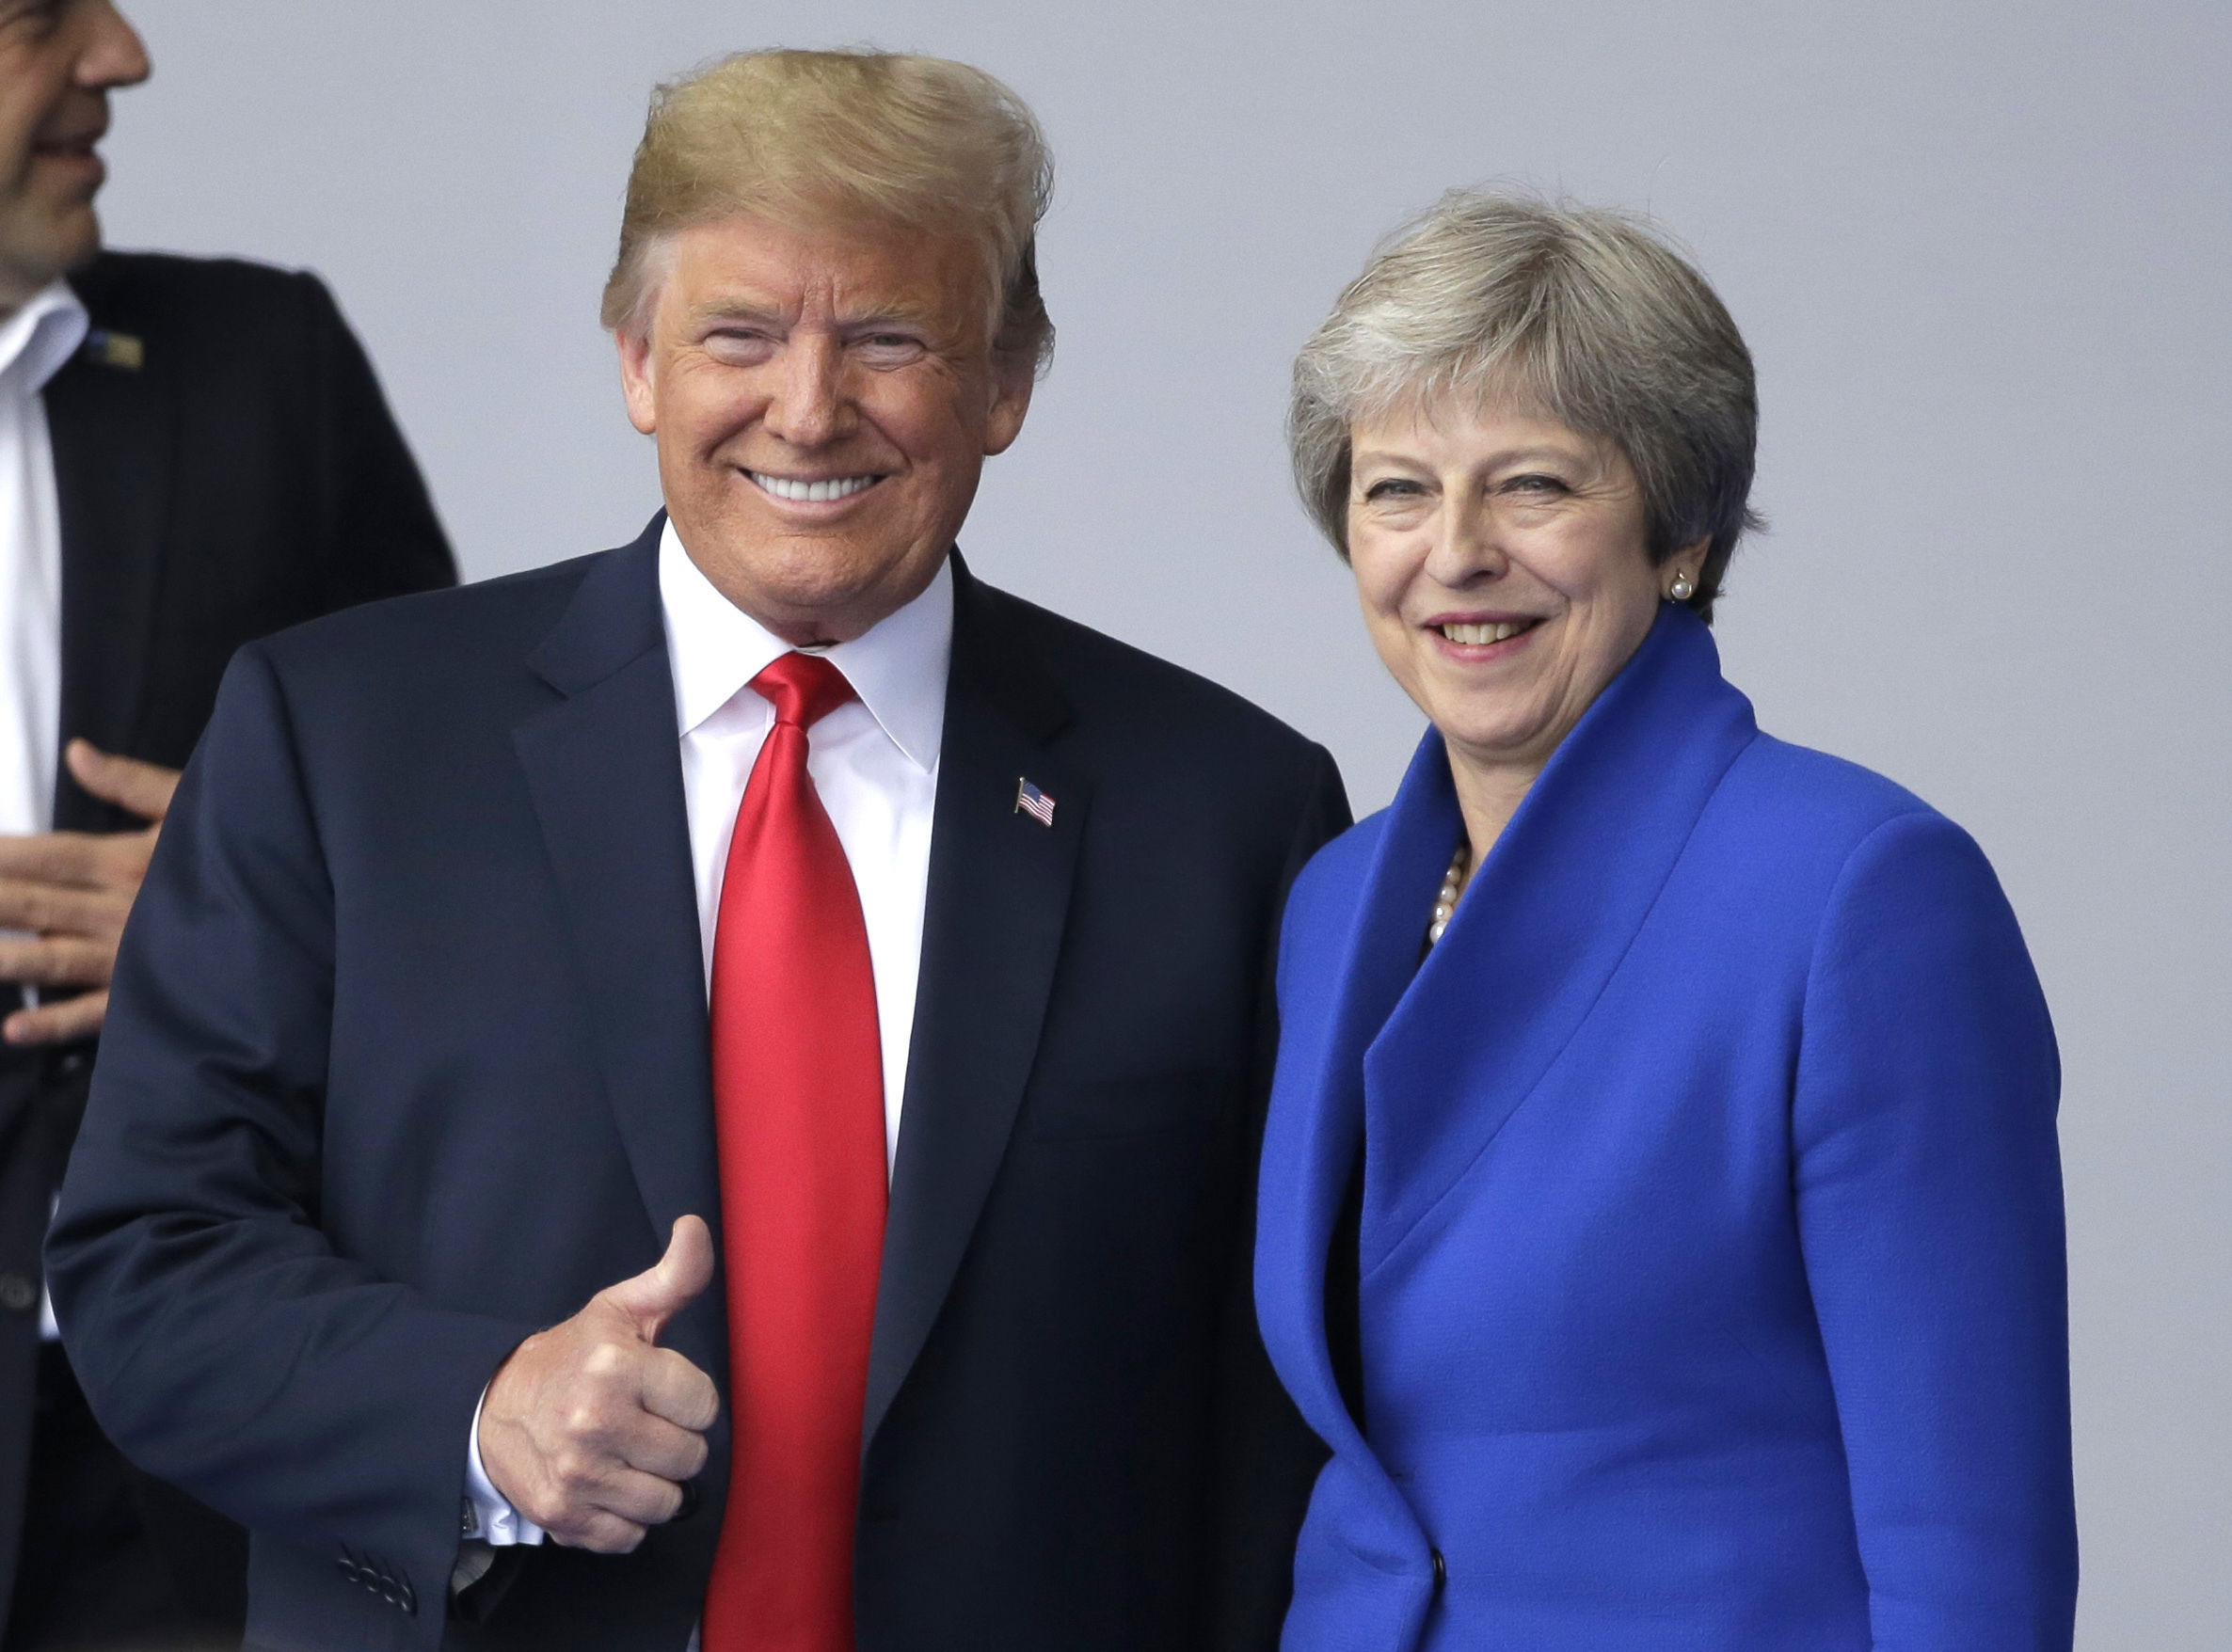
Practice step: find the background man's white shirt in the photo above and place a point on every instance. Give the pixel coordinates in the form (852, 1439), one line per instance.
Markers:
(874, 762)
(34, 341)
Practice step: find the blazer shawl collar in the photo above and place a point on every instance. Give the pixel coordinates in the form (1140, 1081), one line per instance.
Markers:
(1544, 923)
(1428, 1061)
(604, 770)
(1313, 1137)
(114, 445)
(997, 901)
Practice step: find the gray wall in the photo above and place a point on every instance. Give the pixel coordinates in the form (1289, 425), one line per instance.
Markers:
(1979, 250)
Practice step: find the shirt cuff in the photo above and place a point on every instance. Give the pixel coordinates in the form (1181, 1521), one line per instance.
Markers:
(48, 1330)
(488, 1515)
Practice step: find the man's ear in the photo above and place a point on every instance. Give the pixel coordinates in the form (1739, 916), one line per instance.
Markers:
(1012, 381)
(636, 377)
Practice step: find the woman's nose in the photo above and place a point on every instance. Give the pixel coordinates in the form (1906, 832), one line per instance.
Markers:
(1466, 544)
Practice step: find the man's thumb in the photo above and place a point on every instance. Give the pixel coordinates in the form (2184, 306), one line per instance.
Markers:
(657, 1293)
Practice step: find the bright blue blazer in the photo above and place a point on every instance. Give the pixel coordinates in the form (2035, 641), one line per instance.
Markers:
(1713, 1285)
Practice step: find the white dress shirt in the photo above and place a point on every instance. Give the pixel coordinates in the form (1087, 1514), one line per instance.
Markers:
(874, 762)
(34, 341)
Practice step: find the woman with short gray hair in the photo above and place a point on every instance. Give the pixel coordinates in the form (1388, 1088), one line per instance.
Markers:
(1660, 1211)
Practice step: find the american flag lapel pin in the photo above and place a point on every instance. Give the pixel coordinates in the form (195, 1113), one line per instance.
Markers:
(1030, 801)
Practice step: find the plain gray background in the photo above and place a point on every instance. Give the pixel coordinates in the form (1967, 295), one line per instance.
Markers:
(1980, 251)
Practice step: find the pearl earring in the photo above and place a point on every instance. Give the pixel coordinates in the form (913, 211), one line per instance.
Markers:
(1682, 590)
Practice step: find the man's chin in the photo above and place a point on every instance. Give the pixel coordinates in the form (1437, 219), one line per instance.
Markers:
(809, 612)
(814, 615)
(86, 249)
(30, 258)
(809, 585)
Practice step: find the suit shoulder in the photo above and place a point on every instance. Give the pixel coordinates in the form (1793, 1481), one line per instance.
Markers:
(161, 291)
(1101, 675)
(492, 620)
(1803, 832)
(1791, 792)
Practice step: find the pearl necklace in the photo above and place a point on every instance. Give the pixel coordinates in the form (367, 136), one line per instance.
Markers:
(1445, 902)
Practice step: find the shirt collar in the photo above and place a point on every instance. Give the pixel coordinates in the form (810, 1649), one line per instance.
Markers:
(897, 668)
(37, 339)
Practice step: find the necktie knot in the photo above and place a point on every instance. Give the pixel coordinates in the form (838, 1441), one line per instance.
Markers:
(803, 687)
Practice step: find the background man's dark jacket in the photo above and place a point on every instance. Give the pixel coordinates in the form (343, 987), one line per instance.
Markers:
(225, 467)
(407, 1058)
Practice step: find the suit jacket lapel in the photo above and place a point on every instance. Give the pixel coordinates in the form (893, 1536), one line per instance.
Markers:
(604, 770)
(1546, 920)
(113, 444)
(1332, 1008)
(997, 900)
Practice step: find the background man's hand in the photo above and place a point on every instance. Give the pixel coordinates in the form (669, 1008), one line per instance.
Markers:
(590, 1429)
(72, 891)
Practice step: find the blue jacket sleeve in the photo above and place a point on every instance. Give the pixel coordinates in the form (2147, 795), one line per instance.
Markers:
(222, 1342)
(1929, 1200)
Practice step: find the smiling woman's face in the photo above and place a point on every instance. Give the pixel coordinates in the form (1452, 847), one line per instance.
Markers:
(1501, 560)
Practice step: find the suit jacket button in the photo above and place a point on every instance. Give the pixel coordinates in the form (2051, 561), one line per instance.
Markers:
(689, 1504)
(1441, 1571)
(18, 1294)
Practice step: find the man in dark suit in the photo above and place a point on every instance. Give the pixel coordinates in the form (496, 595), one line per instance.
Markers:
(709, 1091)
(193, 453)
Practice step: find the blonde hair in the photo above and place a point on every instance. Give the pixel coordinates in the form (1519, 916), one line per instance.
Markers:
(1589, 315)
(800, 136)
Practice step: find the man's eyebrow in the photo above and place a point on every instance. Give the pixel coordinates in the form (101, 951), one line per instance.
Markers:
(912, 313)
(733, 307)
(903, 312)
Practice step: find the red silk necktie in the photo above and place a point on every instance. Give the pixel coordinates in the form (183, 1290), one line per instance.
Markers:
(798, 1103)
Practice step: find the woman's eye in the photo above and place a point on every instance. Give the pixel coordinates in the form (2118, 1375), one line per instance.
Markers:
(1395, 488)
(1534, 483)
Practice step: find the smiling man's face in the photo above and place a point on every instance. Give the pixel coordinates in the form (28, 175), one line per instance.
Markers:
(824, 399)
(59, 59)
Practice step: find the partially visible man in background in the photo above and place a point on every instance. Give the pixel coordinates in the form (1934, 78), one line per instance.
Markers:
(193, 453)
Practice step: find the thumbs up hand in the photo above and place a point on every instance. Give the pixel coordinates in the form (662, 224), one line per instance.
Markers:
(590, 1429)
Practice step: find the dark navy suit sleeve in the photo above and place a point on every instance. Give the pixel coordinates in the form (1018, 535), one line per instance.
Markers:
(1267, 1459)
(1929, 1204)
(222, 1342)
